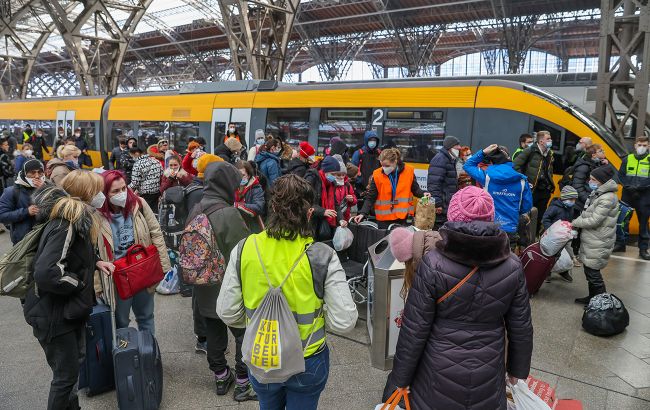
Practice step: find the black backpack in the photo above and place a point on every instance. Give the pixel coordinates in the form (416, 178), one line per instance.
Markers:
(173, 212)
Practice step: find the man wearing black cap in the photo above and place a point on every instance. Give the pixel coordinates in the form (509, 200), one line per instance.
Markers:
(16, 208)
(598, 228)
(442, 180)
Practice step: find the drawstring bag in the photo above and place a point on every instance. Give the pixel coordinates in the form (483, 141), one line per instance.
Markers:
(272, 347)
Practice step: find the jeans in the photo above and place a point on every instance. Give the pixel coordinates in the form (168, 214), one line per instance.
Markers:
(595, 281)
(142, 304)
(64, 354)
(217, 337)
(300, 392)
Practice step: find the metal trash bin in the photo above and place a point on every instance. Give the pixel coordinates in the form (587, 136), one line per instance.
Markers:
(385, 305)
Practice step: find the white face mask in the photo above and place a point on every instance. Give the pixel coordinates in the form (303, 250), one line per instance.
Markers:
(455, 152)
(195, 163)
(119, 199)
(312, 158)
(641, 150)
(98, 200)
(388, 170)
(32, 183)
(28, 152)
(232, 130)
(579, 146)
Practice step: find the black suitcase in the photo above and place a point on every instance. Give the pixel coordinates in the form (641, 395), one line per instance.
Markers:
(96, 373)
(138, 370)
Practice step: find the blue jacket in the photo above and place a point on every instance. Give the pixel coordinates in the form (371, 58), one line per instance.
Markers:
(368, 161)
(557, 211)
(505, 188)
(15, 213)
(269, 166)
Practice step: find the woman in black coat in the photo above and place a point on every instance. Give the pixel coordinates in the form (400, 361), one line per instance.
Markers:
(452, 354)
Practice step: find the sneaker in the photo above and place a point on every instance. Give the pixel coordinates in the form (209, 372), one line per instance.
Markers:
(245, 392)
(576, 263)
(566, 276)
(224, 383)
(201, 347)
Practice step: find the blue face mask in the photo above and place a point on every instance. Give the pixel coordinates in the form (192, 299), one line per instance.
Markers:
(73, 164)
(244, 181)
(372, 144)
(331, 178)
(593, 186)
(569, 203)
(549, 144)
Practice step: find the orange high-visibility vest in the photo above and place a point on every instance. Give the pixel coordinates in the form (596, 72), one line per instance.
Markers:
(387, 207)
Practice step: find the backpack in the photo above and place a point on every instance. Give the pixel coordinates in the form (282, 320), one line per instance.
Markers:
(272, 347)
(17, 265)
(567, 177)
(173, 210)
(201, 259)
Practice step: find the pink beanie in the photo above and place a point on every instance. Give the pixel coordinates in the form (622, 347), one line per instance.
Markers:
(401, 244)
(471, 204)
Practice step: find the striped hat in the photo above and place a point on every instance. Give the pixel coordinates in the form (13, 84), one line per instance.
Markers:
(568, 192)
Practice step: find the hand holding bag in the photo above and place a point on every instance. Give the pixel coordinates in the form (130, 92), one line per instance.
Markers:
(139, 269)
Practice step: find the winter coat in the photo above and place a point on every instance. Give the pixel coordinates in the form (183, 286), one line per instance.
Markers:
(154, 152)
(14, 211)
(57, 170)
(453, 354)
(557, 211)
(367, 160)
(344, 205)
(532, 163)
(82, 144)
(508, 188)
(251, 203)
(145, 178)
(114, 161)
(224, 152)
(221, 181)
(297, 167)
(7, 171)
(581, 172)
(181, 178)
(187, 164)
(39, 145)
(195, 196)
(598, 224)
(146, 232)
(442, 180)
(63, 295)
(269, 165)
(126, 163)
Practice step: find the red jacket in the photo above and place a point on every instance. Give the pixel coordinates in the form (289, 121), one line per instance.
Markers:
(341, 192)
(187, 164)
(182, 178)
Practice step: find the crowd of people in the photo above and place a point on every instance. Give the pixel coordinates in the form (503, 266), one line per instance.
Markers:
(272, 211)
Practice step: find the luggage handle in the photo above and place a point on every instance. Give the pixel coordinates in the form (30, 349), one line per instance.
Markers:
(110, 301)
(133, 254)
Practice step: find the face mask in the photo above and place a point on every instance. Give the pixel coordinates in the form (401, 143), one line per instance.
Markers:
(579, 147)
(331, 178)
(276, 150)
(244, 181)
(61, 134)
(593, 186)
(195, 163)
(119, 199)
(312, 158)
(73, 163)
(530, 144)
(77, 135)
(32, 183)
(454, 152)
(372, 144)
(98, 200)
(641, 150)
(569, 203)
(340, 181)
(596, 160)
(231, 130)
(28, 152)
(549, 144)
(388, 170)
(259, 141)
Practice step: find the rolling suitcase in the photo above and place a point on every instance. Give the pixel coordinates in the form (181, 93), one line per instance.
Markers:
(537, 267)
(96, 373)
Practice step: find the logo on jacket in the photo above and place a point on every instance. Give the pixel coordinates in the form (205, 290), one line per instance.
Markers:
(504, 192)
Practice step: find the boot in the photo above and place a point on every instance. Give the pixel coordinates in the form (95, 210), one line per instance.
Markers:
(619, 247)
(643, 254)
(593, 291)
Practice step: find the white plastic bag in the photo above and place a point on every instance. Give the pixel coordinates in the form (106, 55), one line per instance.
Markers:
(526, 399)
(555, 238)
(343, 238)
(564, 263)
(170, 285)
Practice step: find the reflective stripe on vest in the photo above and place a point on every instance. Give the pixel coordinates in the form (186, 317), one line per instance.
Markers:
(388, 208)
(280, 255)
(636, 168)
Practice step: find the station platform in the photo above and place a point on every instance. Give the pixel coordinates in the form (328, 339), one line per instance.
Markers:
(603, 373)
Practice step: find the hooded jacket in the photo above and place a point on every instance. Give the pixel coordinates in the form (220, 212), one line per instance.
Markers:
(508, 188)
(57, 169)
(269, 165)
(63, 295)
(14, 208)
(367, 160)
(442, 180)
(453, 354)
(598, 224)
(221, 181)
(581, 172)
(557, 211)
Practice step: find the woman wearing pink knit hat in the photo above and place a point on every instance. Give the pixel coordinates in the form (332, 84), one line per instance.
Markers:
(468, 294)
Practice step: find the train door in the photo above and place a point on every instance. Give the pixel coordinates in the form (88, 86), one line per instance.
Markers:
(221, 117)
(65, 120)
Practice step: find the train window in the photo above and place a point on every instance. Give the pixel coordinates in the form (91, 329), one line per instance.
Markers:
(88, 133)
(178, 133)
(349, 124)
(119, 129)
(49, 131)
(290, 125)
(415, 133)
(556, 134)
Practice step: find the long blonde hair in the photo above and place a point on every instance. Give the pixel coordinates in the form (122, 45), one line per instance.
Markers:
(82, 186)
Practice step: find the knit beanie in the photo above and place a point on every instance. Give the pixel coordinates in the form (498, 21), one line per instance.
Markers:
(204, 161)
(471, 204)
(498, 156)
(449, 142)
(401, 243)
(603, 173)
(233, 144)
(330, 164)
(568, 192)
(306, 150)
(32, 165)
(342, 167)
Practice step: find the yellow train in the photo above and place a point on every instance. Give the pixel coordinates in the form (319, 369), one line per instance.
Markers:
(414, 115)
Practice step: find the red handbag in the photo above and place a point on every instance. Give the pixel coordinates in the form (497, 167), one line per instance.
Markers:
(139, 269)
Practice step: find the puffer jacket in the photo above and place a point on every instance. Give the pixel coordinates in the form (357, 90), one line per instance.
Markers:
(530, 163)
(14, 208)
(146, 232)
(453, 354)
(63, 295)
(269, 165)
(598, 224)
(557, 211)
(442, 180)
(581, 172)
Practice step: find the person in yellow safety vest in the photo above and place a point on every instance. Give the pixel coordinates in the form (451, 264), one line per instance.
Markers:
(391, 191)
(525, 141)
(316, 291)
(634, 175)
